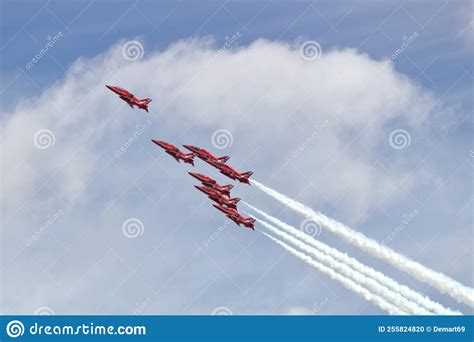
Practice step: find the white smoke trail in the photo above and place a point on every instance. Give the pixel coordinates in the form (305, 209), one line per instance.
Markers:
(346, 282)
(368, 271)
(424, 274)
(342, 268)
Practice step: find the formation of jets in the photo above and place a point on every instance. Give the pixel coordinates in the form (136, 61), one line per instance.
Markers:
(220, 194)
(131, 99)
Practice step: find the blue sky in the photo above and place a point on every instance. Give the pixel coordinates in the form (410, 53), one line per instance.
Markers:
(441, 57)
(269, 102)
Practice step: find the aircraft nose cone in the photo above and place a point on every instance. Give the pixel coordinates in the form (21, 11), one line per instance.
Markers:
(200, 189)
(190, 147)
(194, 175)
(157, 142)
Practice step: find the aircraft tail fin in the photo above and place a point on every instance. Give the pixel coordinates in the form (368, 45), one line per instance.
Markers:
(145, 101)
(249, 223)
(223, 159)
(189, 158)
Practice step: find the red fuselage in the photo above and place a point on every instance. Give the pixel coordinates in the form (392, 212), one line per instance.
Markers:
(175, 152)
(220, 163)
(232, 173)
(128, 97)
(235, 216)
(206, 155)
(211, 183)
(218, 197)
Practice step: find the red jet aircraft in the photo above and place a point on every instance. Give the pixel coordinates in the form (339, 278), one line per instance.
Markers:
(219, 198)
(131, 99)
(236, 217)
(206, 155)
(211, 183)
(232, 173)
(175, 152)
